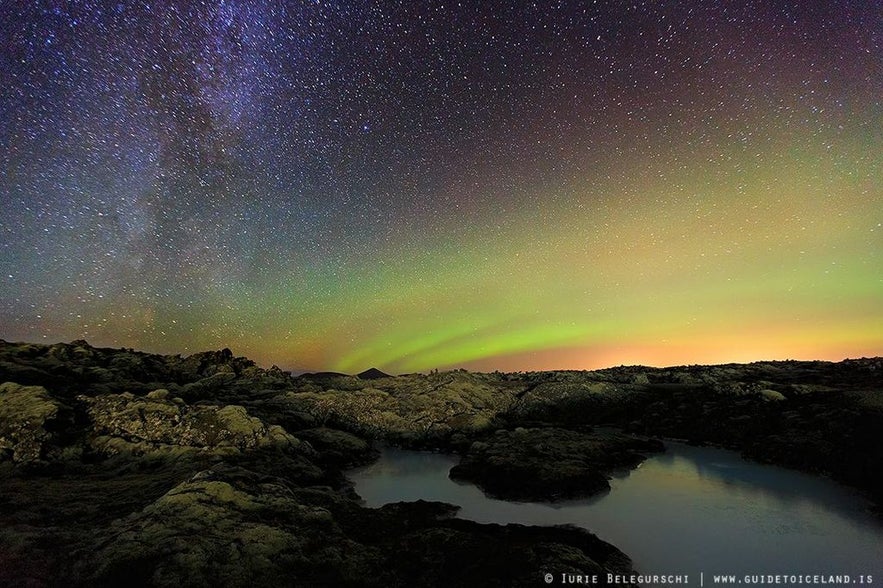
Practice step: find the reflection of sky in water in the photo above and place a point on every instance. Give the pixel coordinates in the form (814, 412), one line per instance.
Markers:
(689, 510)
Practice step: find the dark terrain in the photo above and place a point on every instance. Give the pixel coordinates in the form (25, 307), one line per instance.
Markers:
(126, 468)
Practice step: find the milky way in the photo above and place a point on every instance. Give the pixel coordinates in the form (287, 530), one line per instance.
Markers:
(418, 185)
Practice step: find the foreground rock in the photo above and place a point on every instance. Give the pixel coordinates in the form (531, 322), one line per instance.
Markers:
(154, 488)
(234, 527)
(412, 410)
(338, 447)
(29, 422)
(124, 421)
(546, 464)
(225, 527)
(118, 466)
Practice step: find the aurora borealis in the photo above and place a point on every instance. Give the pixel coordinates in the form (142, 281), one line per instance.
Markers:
(418, 185)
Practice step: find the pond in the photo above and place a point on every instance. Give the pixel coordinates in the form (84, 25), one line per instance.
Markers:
(690, 510)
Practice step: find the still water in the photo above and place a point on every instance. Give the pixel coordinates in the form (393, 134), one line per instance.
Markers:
(689, 510)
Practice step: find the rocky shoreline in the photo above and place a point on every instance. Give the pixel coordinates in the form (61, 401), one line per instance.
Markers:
(118, 466)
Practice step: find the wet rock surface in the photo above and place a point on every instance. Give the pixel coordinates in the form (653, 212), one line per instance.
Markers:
(118, 466)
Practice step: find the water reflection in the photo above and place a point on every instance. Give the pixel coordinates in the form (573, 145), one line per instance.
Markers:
(688, 510)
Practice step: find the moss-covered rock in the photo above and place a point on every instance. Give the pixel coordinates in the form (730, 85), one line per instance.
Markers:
(155, 421)
(549, 463)
(338, 447)
(109, 494)
(232, 528)
(410, 409)
(28, 416)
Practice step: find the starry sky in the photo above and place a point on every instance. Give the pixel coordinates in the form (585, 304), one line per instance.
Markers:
(413, 185)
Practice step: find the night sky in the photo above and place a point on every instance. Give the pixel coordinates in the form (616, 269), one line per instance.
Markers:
(415, 185)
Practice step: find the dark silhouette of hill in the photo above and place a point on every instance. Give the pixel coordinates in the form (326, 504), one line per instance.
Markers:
(323, 375)
(372, 374)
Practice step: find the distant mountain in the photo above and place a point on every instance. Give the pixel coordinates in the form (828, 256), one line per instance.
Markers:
(372, 374)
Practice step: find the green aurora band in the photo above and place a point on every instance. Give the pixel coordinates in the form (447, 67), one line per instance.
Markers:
(601, 184)
(781, 263)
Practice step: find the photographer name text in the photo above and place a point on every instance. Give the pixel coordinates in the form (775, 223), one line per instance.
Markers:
(703, 579)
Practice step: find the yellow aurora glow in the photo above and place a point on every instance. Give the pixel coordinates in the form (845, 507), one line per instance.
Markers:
(781, 265)
(591, 185)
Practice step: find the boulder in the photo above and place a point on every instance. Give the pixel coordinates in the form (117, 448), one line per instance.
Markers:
(547, 464)
(338, 447)
(156, 420)
(28, 416)
(225, 527)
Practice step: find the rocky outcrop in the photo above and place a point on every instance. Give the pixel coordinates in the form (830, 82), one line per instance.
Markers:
(236, 527)
(424, 546)
(229, 527)
(410, 410)
(29, 418)
(120, 465)
(543, 464)
(77, 368)
(337, 447)
(156, 420)
(571, 397)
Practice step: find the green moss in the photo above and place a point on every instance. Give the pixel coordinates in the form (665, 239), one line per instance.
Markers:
(25, 414)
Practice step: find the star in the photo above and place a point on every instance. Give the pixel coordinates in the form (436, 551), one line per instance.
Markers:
(411, 186)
